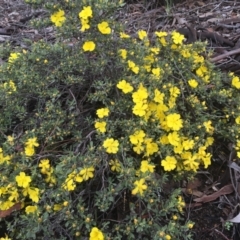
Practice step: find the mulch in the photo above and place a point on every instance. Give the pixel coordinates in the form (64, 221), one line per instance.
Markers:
(214, 21)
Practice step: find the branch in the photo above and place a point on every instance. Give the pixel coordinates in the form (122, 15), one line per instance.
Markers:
(216, 59)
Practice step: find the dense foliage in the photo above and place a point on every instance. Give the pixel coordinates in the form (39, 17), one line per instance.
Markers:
(94, 124)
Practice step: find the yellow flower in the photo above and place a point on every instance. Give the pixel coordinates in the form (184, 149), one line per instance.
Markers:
(178, 149)
(30, 209)
(13, 57)
(201, 71)
(133, 66)
(174, 121)
(14, 194)
(69, 184)
(161, 34)
(115, 165)
(137, 137)
(173, 138)
(32, 142)
(164, 139)
(201, 151)
(198, 58)
(3, 158)
(23, 180)
(190, 225)
(174, 217)
(151, 147)
(125, 86)
(206, 160)
(209, 128)
(146, 167)
(156, 71)
(155, 50)
(50, 177)
(177, 37)
(87, 173)
(188, 144)
(102, 112)
(124, 35)
(140, 95)
(6, 205)
(169, 163)
(78, 178)
(161, 234)
(158, 96)
(10, 86)
(142, 34)
(174, 91)
(162, 40)
(236, 82)
(29, 151)
(10, 139)
(123, 53)
(101, 126)
(168, 237)
(96, 234)
(140, 109)
(58, 18)
(57, 207)
(185, 53)
(181, 203)
(140, 186)
(33, 194)
(85, 25)
(186, 155)
(149, 59)
(111, 145)
(5, 238)
(138, 148)
(237, 120)
(174, 46)
(191, 163)
(171, 102)
(192, 83)
(44, 165)
(209, 141)
(206, 78)
(104, 28)
(86, 13)
(88, 46)
(147, 68)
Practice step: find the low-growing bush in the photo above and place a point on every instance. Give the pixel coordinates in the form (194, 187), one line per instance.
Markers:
(94, 125)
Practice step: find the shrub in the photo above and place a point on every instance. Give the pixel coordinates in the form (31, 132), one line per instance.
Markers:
(94, 125)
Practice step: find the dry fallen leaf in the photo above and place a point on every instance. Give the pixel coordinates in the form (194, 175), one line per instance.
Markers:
(193, 192)
(181, 20)
(223, 191)
(214, 20)
(205, 15)
(5, 213)
(193, 205)
(235, 219)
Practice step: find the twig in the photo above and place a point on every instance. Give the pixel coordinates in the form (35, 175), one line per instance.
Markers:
(217, 6)
(216, 59)
(84, 142)
(221, 234)
(227, 26)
